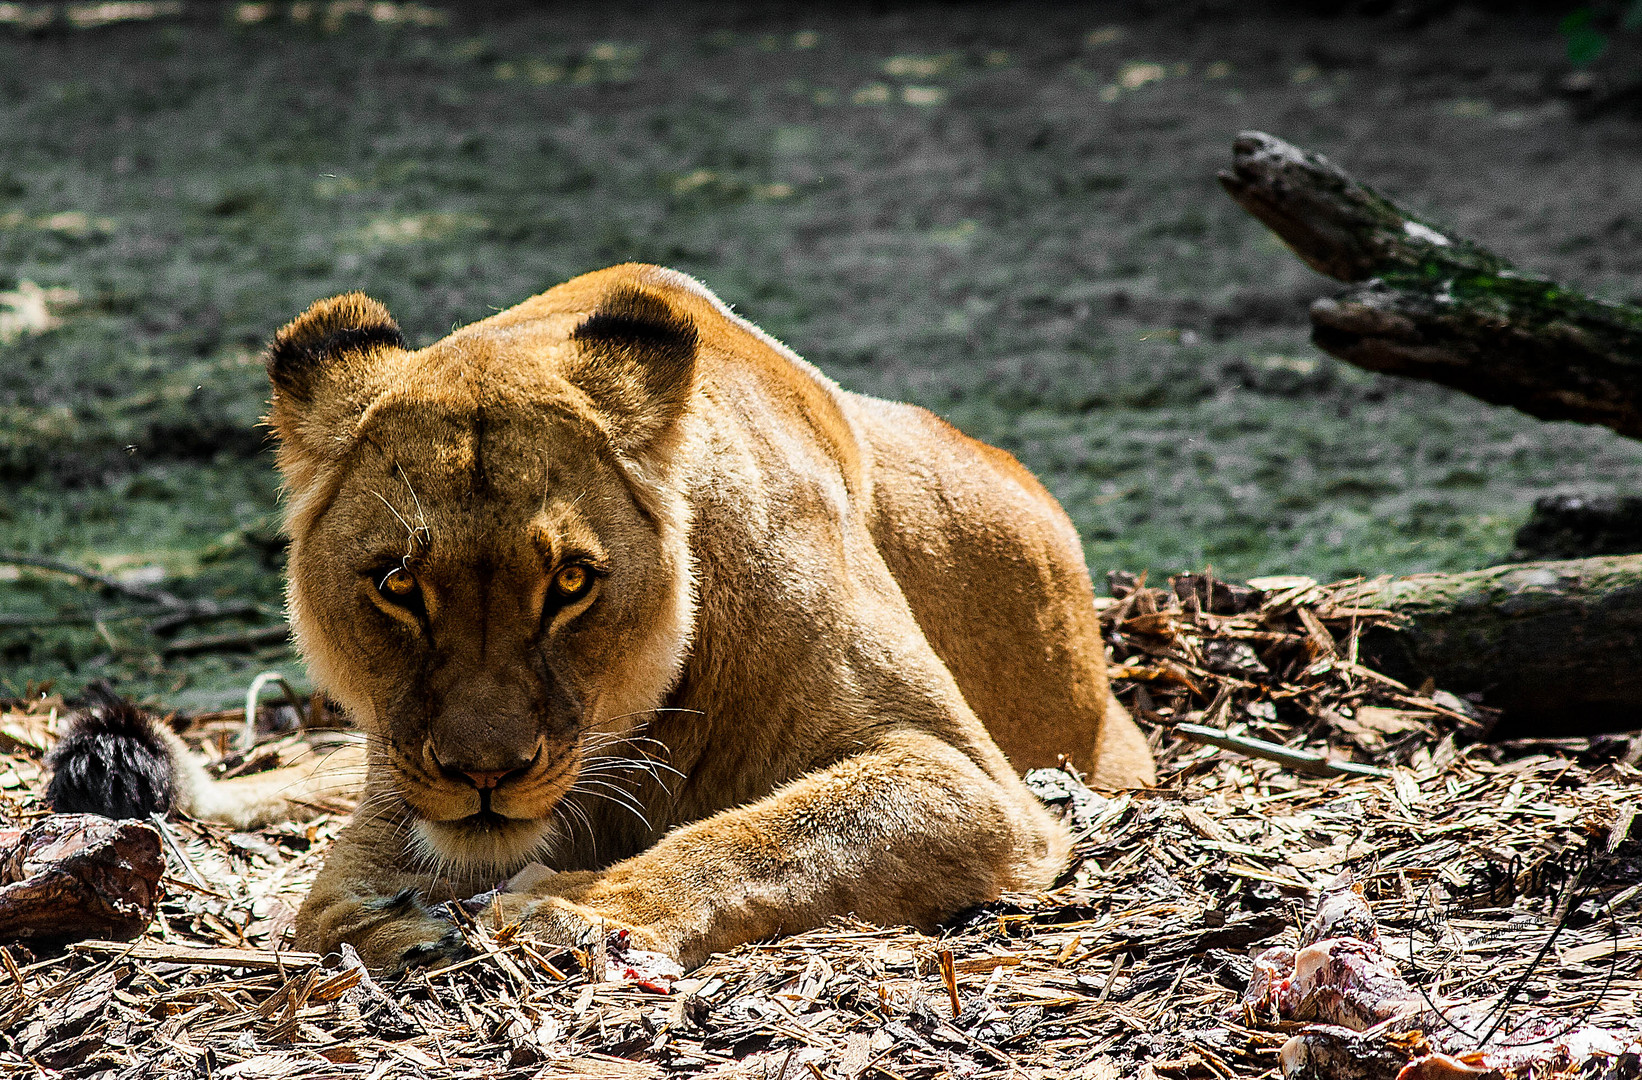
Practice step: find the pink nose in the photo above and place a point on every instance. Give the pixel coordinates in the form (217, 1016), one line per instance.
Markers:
(474, 772)
(486, 781)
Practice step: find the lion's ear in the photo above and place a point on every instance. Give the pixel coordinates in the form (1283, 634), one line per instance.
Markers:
(313, 365)
(636, 358)
(315, 345)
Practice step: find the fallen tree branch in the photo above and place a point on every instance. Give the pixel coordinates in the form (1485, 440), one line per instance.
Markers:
(172, 611)
(1430, 305)
(89, 618)
(112, 584)
(169, 620)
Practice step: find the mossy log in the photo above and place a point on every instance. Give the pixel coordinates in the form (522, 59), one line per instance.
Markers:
(1430, 305)
(1547, 642)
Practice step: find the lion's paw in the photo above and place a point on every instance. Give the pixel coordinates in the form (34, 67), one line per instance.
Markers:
(628, 953)
(410, 934)
(449, 947)
(550, 919)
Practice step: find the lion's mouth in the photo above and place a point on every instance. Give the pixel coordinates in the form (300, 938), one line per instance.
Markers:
(498, 831)
(486, 820)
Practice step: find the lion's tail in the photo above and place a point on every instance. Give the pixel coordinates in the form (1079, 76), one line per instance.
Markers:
(116, 760)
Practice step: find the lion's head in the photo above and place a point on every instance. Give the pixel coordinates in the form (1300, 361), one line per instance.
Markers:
(489, 557)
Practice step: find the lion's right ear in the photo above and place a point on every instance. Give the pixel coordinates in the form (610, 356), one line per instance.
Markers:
(319, 346)
(308, 346)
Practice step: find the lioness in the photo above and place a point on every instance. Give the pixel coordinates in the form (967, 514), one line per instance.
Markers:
(629, 597)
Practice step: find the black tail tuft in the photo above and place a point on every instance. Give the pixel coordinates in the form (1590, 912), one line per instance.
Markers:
(111, 761)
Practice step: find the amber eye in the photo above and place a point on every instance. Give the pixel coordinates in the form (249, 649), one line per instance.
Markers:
(572, 581)
(397, 585)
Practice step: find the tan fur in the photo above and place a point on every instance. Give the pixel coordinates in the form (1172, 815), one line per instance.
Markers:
(329, 775)
(826, 631)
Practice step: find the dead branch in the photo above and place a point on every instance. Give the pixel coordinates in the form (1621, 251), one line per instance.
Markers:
(234, 639)
(104, 581)
(173, 612)
(1549, 640)
(203, 611)
(1434, 306)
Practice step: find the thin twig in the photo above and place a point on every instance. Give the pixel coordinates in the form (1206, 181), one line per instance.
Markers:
(86, 618)
(113, 584)
(237, 639)
(1299, 760)
(201, 611)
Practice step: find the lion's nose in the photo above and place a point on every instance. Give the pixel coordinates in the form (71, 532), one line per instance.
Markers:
(485, 781)
(483, 775)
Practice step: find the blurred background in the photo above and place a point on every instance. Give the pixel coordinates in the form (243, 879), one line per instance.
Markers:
(1007, 213)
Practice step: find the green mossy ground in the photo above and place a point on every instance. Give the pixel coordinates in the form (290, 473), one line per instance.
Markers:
(1008, 215)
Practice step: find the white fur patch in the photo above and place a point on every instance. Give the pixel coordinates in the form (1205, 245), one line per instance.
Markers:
(493, 852)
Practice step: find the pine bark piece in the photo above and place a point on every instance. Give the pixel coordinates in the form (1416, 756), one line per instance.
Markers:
(73, 876)
(1429, 305)
(57, 1035)
(1547, 640)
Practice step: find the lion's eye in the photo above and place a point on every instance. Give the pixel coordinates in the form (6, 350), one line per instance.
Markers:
(397, 585)
(572, 582)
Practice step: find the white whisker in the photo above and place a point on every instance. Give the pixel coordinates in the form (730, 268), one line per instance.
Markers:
(621, 802)
(420, 515)
(569, 805)
(410, 532)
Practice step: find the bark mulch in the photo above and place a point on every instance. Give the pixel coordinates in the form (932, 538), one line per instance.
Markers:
(1501, 875)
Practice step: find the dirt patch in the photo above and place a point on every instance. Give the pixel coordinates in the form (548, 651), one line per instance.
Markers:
(1007, 214)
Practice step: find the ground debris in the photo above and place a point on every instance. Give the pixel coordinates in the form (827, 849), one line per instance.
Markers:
(1136, 963)
(1275, 660)
(1370, 1024)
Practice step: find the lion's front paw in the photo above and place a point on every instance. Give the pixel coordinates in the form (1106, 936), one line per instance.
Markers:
(407, 933)
(551, 919)
(448, 948)
(633, 953)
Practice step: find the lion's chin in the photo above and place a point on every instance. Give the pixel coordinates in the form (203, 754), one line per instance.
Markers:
(485, 844)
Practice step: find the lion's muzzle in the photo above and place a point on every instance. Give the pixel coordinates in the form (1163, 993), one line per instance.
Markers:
(518, 786)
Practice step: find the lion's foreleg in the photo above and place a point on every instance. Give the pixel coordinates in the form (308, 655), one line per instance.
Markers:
(373, 895)
(910, 832)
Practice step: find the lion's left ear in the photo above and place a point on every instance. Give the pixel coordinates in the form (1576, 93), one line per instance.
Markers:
(635, 356)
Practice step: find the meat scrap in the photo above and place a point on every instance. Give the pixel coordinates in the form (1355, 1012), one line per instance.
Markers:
(1368, 1023)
